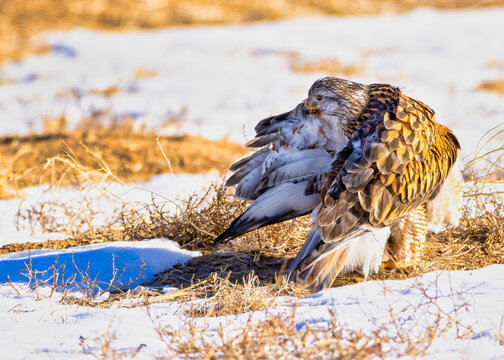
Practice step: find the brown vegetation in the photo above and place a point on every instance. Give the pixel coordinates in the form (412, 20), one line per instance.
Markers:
(258, 257)
(251, 261)
(129, 153)
(328, 65)
(492, 85)
(279, 336)
(476, 243)
(245, 276)
(282, 336)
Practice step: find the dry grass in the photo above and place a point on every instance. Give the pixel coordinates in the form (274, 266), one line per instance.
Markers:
(477, 242)
(129, 152)
(243, 275)
(492, 85)
(245, 278)
(225, 297)
(248, 265)
(194, 225)
(22, 21)
(279, 336)
(329, 66)
(79, 240)
(259, 255)
(276, 337)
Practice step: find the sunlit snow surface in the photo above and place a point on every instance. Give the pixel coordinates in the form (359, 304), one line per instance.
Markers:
(47, 329)
(165, 190)
(125, 257)
(226, 77)
(128, 258)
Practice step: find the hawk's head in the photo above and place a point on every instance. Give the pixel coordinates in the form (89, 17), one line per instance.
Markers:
(337, 100)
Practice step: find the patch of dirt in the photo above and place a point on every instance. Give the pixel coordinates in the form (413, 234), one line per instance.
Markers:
(455, 249)
(80, 240)
(241, 265)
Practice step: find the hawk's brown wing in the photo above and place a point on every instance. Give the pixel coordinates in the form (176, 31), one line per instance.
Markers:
(391, 166)
(395, 165)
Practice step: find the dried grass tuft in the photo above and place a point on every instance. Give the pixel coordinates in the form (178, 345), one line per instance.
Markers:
(328, 65)
(248, 268)
(127, 150)
(281, 336)
(195, 224)
(492, 85)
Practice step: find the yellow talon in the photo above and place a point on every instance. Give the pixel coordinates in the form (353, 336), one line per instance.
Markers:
(401, 264)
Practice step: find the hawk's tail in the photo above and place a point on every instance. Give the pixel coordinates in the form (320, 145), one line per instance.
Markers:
(282, 202)
(316, 266)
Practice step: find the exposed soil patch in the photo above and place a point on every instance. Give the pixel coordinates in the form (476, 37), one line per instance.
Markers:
(455, 249)
(240, 264)
(84, 239)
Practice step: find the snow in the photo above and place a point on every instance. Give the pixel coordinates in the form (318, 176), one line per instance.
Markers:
(227, 76)
(118, 262)
(221, 78)
(48, 329)
(166, 190)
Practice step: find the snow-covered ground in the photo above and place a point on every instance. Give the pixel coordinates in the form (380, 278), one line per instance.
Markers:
(227, 76)
(100, 202)
(167, 190)
(46, 329)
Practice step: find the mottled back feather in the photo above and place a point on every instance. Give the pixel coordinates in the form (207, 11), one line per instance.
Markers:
(394, 162)
(367, 158)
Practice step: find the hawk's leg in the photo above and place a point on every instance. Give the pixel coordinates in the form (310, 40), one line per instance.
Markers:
(407, 240)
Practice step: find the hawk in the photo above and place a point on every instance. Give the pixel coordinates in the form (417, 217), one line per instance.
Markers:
(366, 161)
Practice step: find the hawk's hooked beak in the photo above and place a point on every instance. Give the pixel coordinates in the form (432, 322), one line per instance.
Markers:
(310, 108)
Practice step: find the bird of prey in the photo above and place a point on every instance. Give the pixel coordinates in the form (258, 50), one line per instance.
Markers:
(365, 160)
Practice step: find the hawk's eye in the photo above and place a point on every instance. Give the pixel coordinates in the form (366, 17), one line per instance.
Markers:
(319, 97)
